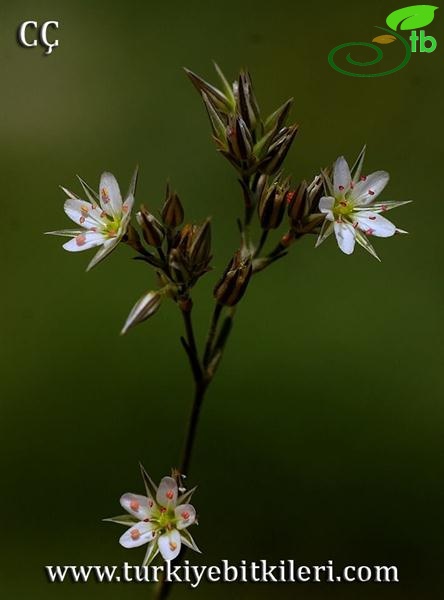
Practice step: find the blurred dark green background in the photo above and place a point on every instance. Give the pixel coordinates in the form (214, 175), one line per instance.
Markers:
(322, 437)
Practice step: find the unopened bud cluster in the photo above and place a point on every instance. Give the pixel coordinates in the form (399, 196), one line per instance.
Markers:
(183, 255)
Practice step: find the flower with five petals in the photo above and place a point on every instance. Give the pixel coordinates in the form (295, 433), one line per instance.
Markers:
(159, 519)
(352, 210)
(103, 218)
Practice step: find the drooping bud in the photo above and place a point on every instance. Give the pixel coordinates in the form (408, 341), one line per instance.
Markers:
(234, 282)
(143, 310)
(152, 230)
(272, 204)
(172, 211)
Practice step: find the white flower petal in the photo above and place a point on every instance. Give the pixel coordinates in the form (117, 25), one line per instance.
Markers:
(341, 176)
(85, 241)
(83, 213)
(326, 204)
(137, 535)
(110, 196)
(167, 492)
(373, 224)
(169, 544)
(137, 505)
(370, 187)
(345, 236)
(186, 515)
(108, 246)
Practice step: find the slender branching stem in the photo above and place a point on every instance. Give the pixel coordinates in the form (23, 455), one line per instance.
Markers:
(189, 342)
(212, 333)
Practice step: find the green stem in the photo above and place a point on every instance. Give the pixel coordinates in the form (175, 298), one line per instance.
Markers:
(212, 333)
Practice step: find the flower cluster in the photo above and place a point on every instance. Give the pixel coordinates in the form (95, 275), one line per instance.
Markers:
(159, 519)
(336, 200)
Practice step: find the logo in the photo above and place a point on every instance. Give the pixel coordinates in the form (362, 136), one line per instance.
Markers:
(40, 32)
(411, 18)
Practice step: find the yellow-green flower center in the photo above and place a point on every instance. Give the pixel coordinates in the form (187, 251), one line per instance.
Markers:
(343, 206)
(112, 226)
(164, 518)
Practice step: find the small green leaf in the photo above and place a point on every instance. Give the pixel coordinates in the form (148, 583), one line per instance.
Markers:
(411, 17)
(384, 39)
(122, 520)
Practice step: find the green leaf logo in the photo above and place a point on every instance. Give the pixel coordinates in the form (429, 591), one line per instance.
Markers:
(411, 17)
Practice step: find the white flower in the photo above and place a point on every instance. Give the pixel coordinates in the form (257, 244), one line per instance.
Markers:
(103, 218)
(351, 209)
(159, 519)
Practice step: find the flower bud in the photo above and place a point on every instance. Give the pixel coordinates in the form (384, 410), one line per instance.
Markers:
(152, 230)
(272, 204)
(234, 282)
(221, 102)
(143, 310)
(200, 248)
(239, 140)
(278, 150)
(178, 267)
(172, 211)
(246, 101)
(296, 202)
(277, 119)
(217, 124)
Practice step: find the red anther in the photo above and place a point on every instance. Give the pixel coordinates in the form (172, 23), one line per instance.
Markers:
(289, 197)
